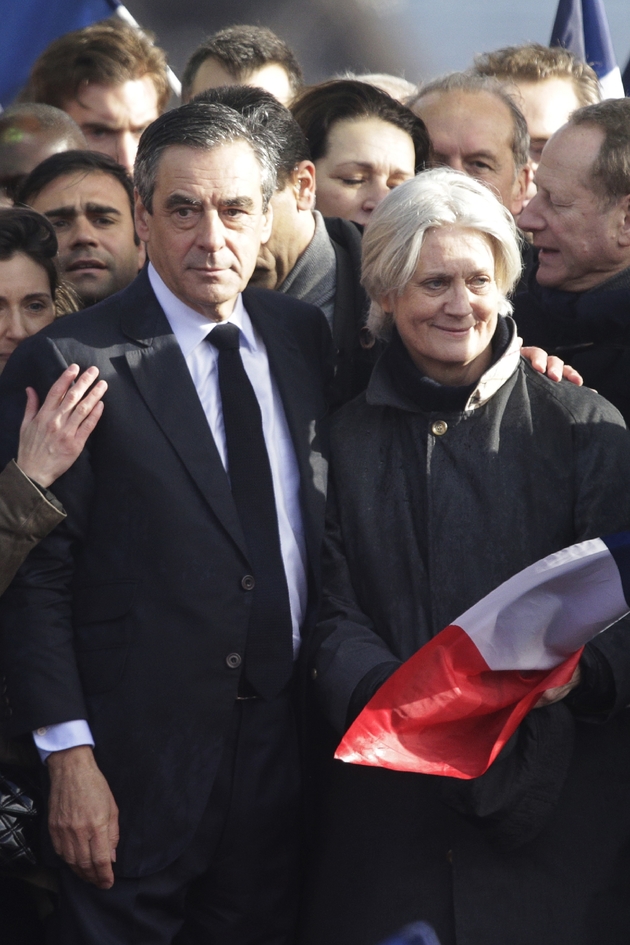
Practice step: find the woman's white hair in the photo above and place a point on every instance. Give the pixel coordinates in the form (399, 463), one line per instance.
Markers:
(393, 238)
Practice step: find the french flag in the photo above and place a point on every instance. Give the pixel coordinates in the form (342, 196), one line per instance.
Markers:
(581, 26)
(451, 708)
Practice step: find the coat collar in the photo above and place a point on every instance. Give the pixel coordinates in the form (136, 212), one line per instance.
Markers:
(381, 391)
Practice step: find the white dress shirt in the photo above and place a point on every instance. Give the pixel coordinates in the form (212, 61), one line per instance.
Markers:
(191, 329)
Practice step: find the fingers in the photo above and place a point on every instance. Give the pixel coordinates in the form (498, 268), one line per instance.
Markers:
(68, 389)
(536, 357)
(570, 374)
(32, 406)
(87, 851)
(555, 367)
(61, 386)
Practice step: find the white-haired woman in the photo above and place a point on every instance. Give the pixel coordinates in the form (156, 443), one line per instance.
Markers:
(458, 467)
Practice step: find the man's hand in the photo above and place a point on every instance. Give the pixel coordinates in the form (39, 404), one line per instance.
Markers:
(553, 367)
(83, 816)
(52, 438)
(559, 692)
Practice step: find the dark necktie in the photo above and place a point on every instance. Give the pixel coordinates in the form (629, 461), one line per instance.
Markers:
(269, 649)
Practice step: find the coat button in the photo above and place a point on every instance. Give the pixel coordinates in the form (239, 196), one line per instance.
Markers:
(313, 674)
(248, 583)
(449, 857)
(439, 428)
(233, 660)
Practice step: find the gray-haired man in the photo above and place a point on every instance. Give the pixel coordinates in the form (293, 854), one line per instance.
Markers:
(166, 637)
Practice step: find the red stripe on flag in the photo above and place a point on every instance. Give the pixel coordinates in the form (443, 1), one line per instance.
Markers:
(445, 712)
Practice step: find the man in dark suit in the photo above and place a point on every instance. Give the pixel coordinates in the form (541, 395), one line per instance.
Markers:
(149, 641)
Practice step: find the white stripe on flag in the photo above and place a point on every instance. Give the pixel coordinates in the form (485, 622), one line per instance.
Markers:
(611, 84)
(543, 614)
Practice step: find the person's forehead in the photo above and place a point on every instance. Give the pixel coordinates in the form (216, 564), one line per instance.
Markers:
(128, 104)
(222, 172)
(547, 104)
(211, 74)
(76, 190)
(371, 141)
(568, 158)
(467, 119)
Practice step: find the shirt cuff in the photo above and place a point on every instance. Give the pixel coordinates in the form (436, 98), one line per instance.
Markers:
(61, 736)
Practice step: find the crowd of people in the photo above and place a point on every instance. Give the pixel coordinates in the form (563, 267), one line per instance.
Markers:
(267, 425)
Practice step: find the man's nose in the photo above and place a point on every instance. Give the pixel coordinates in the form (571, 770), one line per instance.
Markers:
(82, 233)
(211, 232)
(126, 148)
(530, 220)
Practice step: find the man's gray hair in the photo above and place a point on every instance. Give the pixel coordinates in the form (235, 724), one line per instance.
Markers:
(610, 173)
(468, 82)
(394, 236)
(204, 127)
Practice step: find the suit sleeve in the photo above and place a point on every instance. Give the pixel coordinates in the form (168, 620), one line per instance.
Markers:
(42, 679)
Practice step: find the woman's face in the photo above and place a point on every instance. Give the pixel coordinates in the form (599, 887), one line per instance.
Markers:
(448, 312)
(365, 159)
(26, 303)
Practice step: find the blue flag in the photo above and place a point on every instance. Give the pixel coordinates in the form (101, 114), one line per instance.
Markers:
(29, 26)
(581, 26)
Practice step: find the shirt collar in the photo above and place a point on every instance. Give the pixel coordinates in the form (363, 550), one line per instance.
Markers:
(190, 327)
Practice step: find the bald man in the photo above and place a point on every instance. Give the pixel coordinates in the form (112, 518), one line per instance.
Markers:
(29, 134)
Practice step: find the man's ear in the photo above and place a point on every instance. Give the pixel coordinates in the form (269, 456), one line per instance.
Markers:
(624, 225)
(519, 191)
(141, 215)
(267, 225)
(142, 255)
(303, 183)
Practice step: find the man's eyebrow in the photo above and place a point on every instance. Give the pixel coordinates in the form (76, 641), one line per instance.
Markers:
(178, 200)
(242, 203)
(67, 213)
(91, 126)
(102, 208)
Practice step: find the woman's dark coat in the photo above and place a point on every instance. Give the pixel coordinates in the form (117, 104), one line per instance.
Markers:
(422, 524)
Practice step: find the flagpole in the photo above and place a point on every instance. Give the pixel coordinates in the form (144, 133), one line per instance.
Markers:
(123, 13)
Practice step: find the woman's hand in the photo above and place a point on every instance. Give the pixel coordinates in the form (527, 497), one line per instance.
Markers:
(559, 692)
(52, 438)
(553, 367)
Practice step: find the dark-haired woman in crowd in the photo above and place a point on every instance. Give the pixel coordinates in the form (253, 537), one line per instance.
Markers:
(51, 438)
(363, 143)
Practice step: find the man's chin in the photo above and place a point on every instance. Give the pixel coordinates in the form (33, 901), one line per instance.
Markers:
(92, 290)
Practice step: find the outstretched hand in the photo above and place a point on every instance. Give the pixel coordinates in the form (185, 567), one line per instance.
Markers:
(52, 437)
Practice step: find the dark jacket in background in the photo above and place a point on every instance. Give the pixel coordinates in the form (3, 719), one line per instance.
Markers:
(590, 330)
(423, 523)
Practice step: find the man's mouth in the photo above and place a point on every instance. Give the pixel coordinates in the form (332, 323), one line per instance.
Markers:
(81, 264)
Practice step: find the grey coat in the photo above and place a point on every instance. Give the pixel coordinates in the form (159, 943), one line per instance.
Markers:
(429, 512)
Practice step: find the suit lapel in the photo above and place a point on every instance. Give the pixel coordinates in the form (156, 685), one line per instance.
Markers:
(162, 377)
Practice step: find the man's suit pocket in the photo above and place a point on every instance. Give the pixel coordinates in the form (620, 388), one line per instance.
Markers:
(102, 632)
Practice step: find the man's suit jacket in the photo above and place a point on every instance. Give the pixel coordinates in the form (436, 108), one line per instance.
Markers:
(130, 612)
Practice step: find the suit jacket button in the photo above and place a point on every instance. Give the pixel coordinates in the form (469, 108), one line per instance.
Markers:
(233, 660)
(313, 674)
(248, 583)
(439, 428)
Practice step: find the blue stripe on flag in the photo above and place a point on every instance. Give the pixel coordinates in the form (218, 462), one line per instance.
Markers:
(581, 26)
(29, 26)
